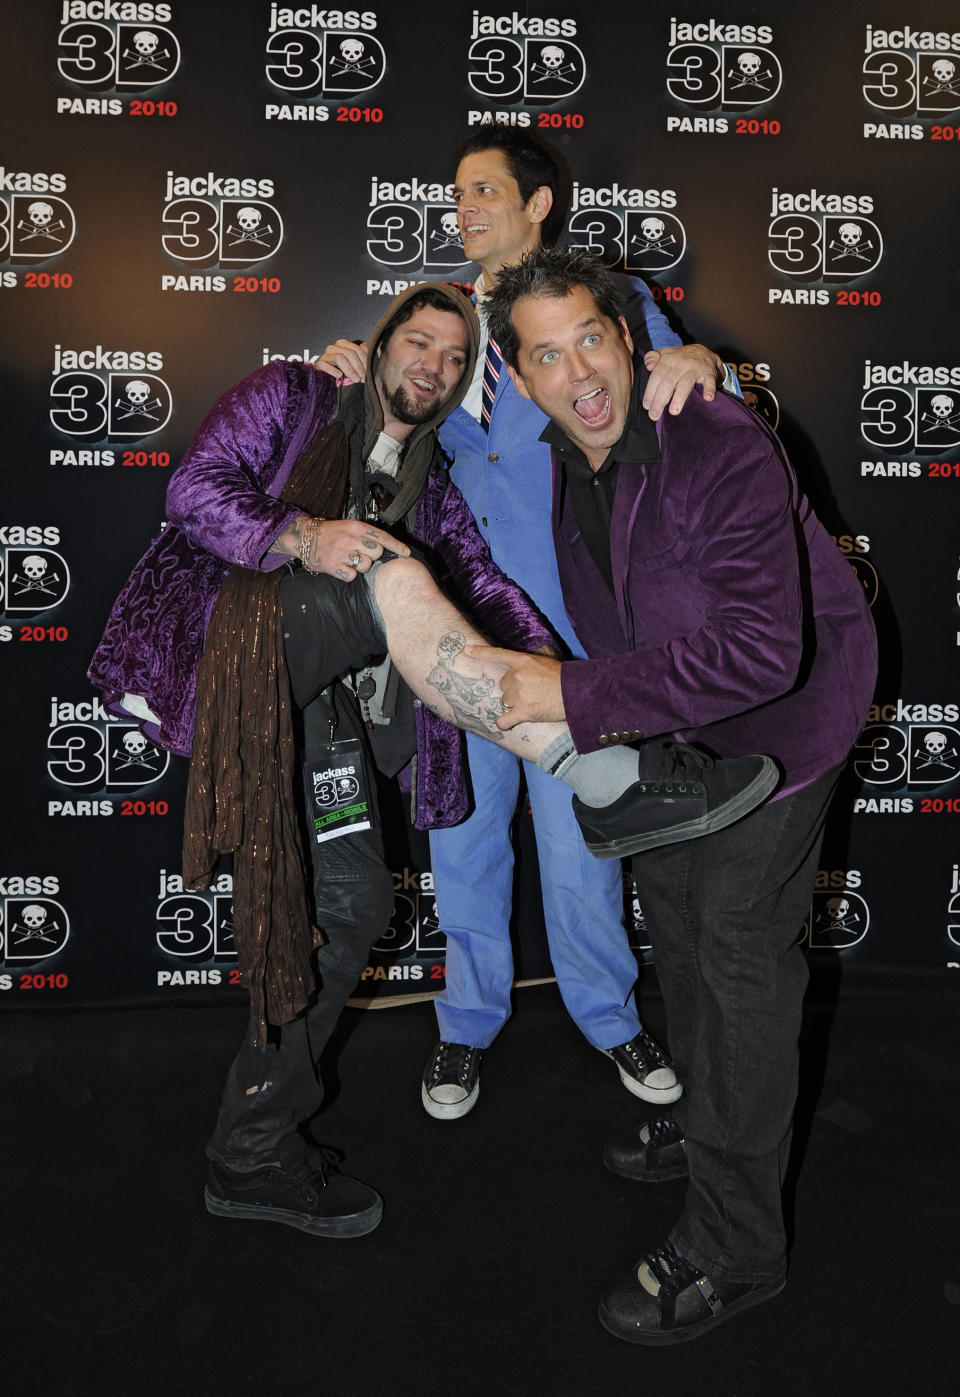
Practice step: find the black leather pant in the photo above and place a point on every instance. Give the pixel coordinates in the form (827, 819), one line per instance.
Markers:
(270, 1092)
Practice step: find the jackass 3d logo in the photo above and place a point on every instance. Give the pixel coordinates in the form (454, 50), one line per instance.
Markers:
(34, 578)
(89, 751)
(220, 219)
(909, 71)
(629, 228)
(516, 58)
(839, 914)
(315, 52)
(412, 223)
(914, 407)
(33, 925)
(116, 44)
(35, 222)
(195, 926)
(953, 905)
(414, 928)
(103, 393)
(909, 746)
(714, 64)
(814, 235)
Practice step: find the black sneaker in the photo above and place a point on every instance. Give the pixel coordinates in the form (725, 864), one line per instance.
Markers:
(650, 1153)
(646, 1070)
(680, 794)
(666, 1300)
(451, 1081)
(309, 1194)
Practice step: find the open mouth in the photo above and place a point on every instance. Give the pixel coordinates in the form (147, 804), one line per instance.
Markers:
(593, 408)
(423, 385)
(474, 230)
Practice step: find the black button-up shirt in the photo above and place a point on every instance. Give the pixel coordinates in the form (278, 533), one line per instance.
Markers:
(591, 492)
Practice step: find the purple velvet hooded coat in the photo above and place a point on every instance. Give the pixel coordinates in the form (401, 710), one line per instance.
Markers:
(223, 510)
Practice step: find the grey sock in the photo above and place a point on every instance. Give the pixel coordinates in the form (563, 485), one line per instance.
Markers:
(598, 778)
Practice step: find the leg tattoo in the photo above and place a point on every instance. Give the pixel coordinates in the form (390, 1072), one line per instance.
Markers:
(474, 699)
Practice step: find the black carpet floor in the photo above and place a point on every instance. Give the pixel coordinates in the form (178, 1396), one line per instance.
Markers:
(499, 1231)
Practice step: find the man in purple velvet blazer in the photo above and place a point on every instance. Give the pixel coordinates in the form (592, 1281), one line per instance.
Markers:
(712, 605)
(236, 511)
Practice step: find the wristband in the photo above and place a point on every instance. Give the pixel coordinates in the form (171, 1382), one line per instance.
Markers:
(308, 536)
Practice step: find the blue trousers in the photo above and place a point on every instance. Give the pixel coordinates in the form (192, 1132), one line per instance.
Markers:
(582, 906)
(724, 914)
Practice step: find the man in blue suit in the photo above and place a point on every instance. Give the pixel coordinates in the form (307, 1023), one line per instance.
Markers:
(506, 191)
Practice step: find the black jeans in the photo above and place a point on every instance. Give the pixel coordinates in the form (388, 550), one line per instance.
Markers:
(724, 915)
(328, 627)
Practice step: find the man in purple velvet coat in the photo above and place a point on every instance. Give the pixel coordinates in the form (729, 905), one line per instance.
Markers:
(236, 515)
(712, 605)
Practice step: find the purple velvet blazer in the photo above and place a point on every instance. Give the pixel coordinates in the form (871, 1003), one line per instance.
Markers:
(736, 622)
(223, 510)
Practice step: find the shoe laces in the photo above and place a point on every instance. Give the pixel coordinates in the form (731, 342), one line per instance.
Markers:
(316, 1160)
(687, 765)
(645, 1051)
(671, 1271)
(453, 1060)
(663, 1131)
(681, 769)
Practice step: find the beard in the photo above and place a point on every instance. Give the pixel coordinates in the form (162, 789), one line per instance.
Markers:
(406, 408)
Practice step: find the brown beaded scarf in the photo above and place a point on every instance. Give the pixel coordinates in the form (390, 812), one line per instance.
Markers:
(241, 793)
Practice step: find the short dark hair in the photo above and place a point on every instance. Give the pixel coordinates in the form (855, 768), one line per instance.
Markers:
(428, 296)
(548, 272)
(530, 163)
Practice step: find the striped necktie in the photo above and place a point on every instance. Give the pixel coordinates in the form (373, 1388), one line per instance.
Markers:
(492, 365)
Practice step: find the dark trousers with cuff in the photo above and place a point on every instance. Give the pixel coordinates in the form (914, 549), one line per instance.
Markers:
(724, 914)
(329, 627)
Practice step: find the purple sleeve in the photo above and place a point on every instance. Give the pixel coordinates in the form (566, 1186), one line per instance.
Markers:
(220, 496)
(745, 646)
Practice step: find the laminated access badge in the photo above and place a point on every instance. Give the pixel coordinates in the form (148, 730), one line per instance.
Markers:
(337, 789)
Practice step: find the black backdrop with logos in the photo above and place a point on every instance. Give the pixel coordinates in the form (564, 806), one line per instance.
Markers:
(188, 191)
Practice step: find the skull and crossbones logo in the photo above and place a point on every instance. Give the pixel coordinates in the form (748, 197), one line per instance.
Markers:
(448, 234)
(935, 751)
(943, 412)
(41, 224)
(853, 243)
(35, 924)
(252, 228)
(137, 751)
(352, 59)
(138, 401)
(653, 237)
(552, 64)
(943, 79)
(840, 915)
(146, 51)
(337, 792)
(36, 576)
(749, 72)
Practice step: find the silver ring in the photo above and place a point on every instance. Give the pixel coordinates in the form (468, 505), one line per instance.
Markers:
(506, 707)
(354, 559)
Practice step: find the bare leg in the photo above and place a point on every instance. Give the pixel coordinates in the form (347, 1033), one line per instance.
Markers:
(426, 635)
